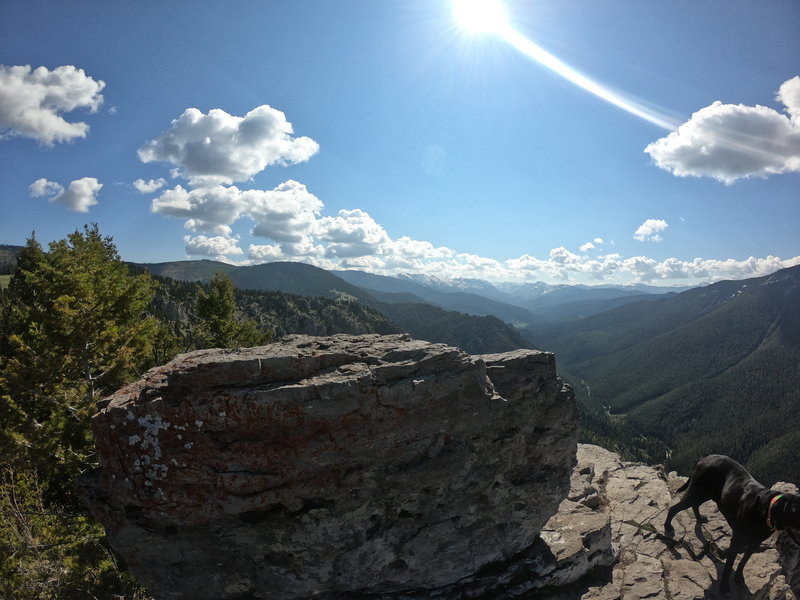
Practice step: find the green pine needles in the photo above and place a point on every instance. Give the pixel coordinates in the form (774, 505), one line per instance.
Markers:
(73, 328)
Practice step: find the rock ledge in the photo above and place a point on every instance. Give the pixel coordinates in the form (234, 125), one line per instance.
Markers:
(347, 465)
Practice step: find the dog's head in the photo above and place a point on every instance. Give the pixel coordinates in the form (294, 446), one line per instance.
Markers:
(786, 514)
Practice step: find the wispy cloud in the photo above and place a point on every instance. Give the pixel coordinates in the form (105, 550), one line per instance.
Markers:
(32, 102)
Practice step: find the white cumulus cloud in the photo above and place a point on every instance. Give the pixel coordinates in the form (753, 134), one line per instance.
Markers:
(564, 265)
(648, 269)
(217, 246)
(410, 249)
(78, 196)
(207, 209)
(32, 102)
(734, 141)
(292, 219)
(221, 148)
(43, 187)
(287, 213)
(587, 246)
(650, 230)
(149, 186)
(352, 233)
(264, 252)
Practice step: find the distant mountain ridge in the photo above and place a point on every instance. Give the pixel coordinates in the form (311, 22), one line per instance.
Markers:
(289, 277)
(466, 302)
(541, 302)
(713, 369)
(523, 305)
(518, 303)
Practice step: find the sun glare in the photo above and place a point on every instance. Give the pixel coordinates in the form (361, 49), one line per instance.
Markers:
(491, 17)
(480, 16)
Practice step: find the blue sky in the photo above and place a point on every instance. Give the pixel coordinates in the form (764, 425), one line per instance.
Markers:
(384, 136)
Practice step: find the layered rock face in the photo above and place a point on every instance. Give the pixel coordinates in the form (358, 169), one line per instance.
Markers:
(348, 466)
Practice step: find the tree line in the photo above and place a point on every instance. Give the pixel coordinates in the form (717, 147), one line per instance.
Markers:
(76, 323)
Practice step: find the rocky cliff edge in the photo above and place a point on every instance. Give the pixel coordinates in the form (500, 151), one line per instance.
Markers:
(383, 468)
(618, 508)
(339, 467)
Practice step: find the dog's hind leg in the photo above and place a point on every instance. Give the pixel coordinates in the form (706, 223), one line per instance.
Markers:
(688, 501)
(683, 504)
(696, 493)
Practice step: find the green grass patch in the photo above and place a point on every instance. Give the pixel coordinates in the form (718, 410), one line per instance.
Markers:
(4, 279)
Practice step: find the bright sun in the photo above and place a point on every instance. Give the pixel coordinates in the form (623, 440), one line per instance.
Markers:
(480, 16)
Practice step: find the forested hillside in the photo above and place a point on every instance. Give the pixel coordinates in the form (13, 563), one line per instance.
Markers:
(328, 305)
(8, 258)
(476, 335)
(278, 313)
(714, 369)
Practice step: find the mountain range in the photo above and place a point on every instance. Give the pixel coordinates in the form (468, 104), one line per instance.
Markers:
(521, 304)
(713, 369)
(683, 371)
(518, 304)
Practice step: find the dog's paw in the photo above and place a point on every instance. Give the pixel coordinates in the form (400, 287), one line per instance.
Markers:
(669, 531)
(724, 587)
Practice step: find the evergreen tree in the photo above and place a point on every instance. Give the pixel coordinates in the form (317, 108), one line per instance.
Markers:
(216, 314)
(75, 329)
(72, 327)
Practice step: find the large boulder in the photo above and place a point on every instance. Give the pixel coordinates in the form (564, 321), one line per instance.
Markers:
(330, 467)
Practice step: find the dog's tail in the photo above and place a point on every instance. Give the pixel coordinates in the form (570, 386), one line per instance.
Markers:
(685, 485)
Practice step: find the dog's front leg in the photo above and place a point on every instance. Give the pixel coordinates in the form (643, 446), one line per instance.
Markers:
(733, 550)
(739, 577)
(700, 518)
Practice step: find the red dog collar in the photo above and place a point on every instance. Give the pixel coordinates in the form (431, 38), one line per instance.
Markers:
(769, 510)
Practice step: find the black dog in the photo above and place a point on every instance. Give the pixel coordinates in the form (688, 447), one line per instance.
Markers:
(752, 511)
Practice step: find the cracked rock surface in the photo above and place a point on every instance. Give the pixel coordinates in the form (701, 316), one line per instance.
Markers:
(341, 467)
(635, 499)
